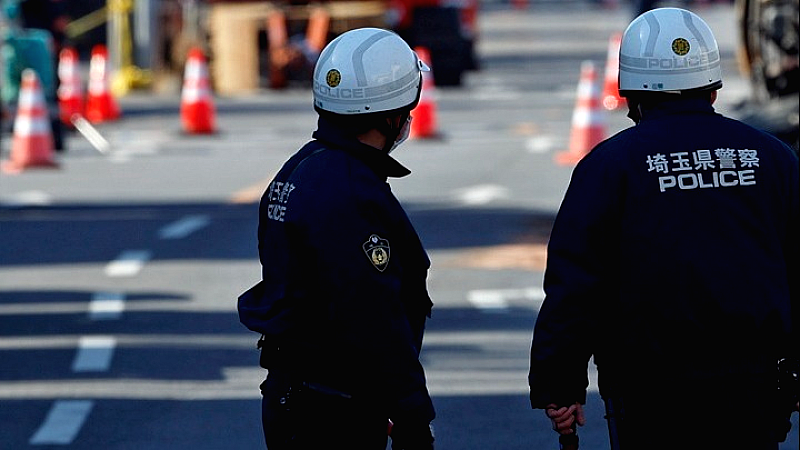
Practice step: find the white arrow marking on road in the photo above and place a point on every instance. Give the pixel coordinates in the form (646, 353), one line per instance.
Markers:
(106, 306)
(481, 194)
(128, 263)
(184, 227)
(94, 354)
(64, 420)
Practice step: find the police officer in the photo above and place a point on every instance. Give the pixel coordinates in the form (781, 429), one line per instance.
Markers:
(343, 299)
(673, 261)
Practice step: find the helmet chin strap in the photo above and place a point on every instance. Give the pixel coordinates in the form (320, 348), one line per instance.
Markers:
(392, 132)
(634, 113)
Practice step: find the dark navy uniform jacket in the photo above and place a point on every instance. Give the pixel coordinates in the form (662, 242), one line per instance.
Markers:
(344, 276)
(673, 260)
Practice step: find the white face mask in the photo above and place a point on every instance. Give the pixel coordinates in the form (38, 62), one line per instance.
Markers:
(404, 132)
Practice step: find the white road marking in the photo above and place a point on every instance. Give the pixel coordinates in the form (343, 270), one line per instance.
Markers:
(63, 422)
(172, 341)
(91, 134)
(496, 95)
(128, 263)
(132, 143)
(94, 354)
(106, 306)
(488, 300)
(237, 383)
(184, 227)
(496, 300)
(539, 144)
(481, 194)
(27, 199)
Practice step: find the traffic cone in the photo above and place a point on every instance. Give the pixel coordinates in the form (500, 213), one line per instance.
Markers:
(32, 144)
(424, 114)
(70, 89)
(279, 57)
(611, 98)
(197, 106)
(100, 104)
(588, 119)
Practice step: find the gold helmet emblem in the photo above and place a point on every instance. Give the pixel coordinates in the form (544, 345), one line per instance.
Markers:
(333, 78)
(680, 46)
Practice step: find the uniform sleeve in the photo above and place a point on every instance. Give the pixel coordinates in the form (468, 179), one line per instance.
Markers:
(266, 307)
(792, 251)
(355, 257)
(580, 255)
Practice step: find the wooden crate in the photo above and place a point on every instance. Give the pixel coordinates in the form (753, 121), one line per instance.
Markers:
(234, 29)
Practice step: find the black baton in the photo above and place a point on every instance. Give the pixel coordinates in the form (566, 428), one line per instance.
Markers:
(615, 414)
(569, 441)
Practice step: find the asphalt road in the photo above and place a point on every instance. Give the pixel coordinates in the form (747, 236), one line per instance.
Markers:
(119, 272)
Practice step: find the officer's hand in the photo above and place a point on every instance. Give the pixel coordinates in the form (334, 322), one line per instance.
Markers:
(564, 418)
(412, 436)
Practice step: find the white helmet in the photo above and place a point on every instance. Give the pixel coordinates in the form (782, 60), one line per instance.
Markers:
(668, 50)
(367, 70)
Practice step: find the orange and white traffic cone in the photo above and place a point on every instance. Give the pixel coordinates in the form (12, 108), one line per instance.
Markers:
(70, 89)
(100, 104)
(424, 114)
(278, 51)
(32, 144)
(611, 98)
(588, 119)
(197, 105)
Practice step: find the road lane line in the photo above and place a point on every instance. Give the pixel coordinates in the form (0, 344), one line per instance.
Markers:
(94, 354)
(488, 300)
(496, 300)
(27, 199)
(150, 340)
(534, 294)
(184, 227)
(237, 383)
(481, 194)
(539, 144)
(63, 422)
(106, 306)
(128, 263)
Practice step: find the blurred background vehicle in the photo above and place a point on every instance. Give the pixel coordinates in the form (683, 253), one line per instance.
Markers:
(768, 57)
(447, 28)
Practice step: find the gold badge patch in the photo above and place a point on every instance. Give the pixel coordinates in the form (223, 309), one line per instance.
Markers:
(377, 250)
(333, 78)
(680, 46)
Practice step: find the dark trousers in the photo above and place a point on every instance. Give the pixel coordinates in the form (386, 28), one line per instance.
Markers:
(694, 423)
(296, 417)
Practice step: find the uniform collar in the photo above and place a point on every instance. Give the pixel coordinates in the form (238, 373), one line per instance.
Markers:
(381, 163)
(678, 106)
